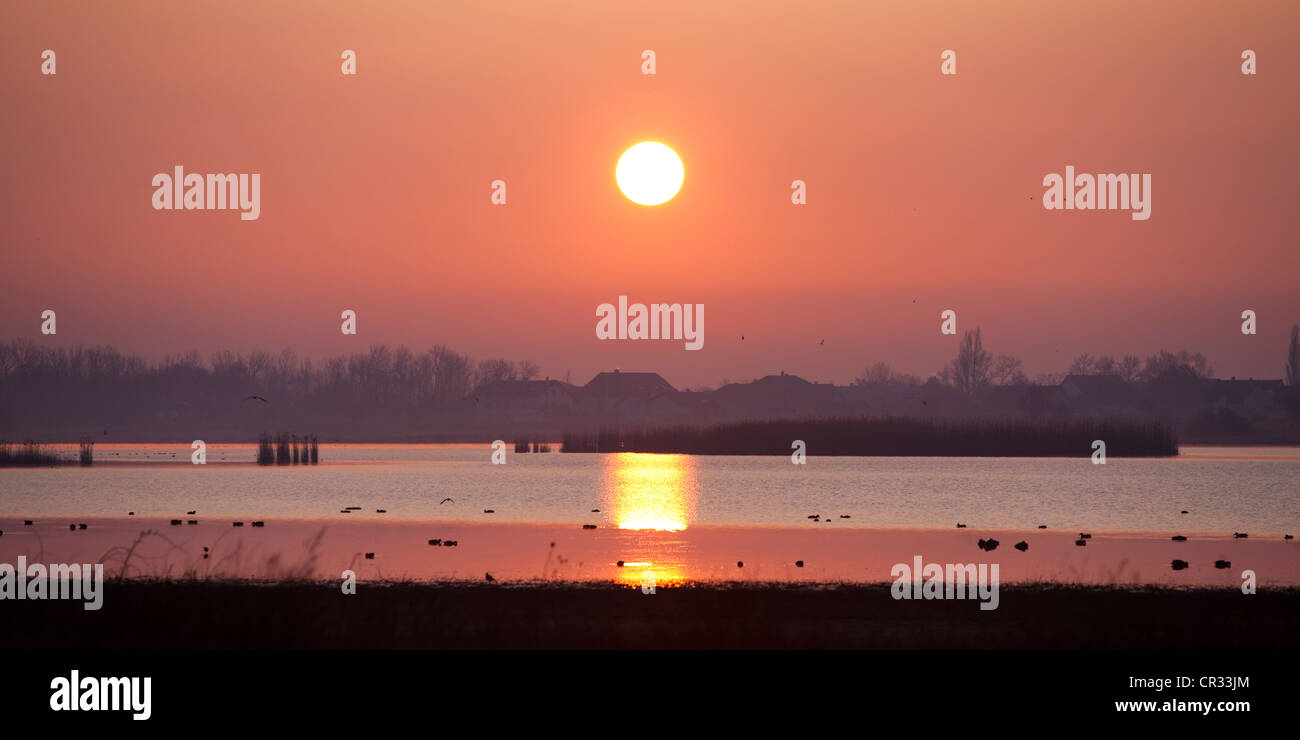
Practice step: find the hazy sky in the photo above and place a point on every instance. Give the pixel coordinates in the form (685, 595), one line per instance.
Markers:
(924, 191)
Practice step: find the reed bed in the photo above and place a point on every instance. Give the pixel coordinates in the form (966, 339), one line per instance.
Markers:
(288, 449)
(525, 445)
(890, 436)
(27, 455)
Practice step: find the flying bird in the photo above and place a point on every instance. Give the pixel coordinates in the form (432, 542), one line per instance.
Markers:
(256, 398)
(440, 503)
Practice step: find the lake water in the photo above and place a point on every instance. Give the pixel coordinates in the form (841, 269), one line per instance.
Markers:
(1255, 490)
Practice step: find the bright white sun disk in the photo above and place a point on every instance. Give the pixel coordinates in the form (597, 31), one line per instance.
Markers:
(649, 173)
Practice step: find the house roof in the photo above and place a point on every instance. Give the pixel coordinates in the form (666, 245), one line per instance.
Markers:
(618, 383)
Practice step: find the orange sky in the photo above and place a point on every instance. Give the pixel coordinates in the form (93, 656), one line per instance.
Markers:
(375, 188)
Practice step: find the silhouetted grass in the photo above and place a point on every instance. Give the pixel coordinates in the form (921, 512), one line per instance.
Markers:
(288, 449)
(890, 436)
(265, 451)
(27, 455)
(282, 449)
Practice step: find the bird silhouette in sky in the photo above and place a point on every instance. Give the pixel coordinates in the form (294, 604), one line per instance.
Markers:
(256, 398)
(440, 503)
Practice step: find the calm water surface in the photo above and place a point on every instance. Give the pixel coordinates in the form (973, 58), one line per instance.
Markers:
(1223, 489)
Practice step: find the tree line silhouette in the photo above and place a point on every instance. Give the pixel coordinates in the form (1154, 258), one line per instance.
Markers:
(69, 392)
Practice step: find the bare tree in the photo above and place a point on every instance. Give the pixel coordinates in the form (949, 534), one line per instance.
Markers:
(969, 371)
(1129, 368)
(528, 370)
(491, 371)
(451, 374)
(877, 374)
(1190, 363)
(1084, 364)
(1007, 370)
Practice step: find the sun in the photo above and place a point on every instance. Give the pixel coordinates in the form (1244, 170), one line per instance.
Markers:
(649, 173)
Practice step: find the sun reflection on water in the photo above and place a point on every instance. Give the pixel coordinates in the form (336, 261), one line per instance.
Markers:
(655, 492)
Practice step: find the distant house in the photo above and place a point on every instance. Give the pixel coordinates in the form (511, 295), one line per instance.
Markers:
(777, 396)
(881, 399)
(1256, 398)
(1092, 393)
(618, 396)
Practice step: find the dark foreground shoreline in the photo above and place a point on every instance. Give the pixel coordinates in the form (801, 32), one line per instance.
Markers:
(178, 615)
